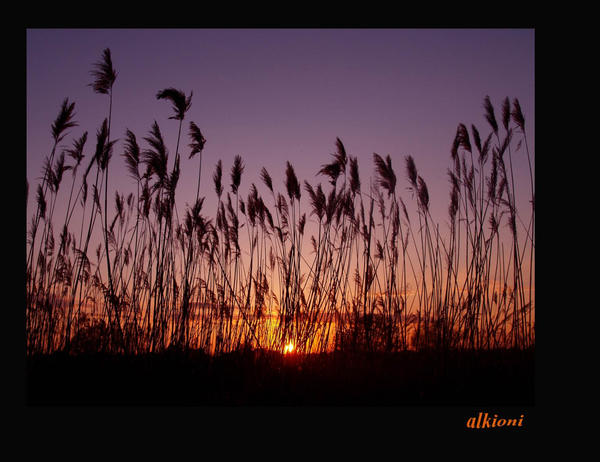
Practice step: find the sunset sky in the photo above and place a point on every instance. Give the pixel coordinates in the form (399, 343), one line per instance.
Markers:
(275, 95)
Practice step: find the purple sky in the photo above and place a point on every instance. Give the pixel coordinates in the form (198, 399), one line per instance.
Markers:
(277, 95)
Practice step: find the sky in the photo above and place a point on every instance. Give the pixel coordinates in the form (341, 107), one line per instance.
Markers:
(278, 95)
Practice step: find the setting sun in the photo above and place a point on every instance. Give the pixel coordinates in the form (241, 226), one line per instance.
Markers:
(288, 348)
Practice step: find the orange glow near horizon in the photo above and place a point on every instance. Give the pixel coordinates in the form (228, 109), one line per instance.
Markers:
(289, 348)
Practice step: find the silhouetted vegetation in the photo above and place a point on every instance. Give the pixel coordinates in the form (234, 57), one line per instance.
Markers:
(377, 274)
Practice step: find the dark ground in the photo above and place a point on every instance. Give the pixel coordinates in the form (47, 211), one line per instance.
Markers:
(251, 378)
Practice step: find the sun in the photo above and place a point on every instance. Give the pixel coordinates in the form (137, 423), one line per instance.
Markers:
(288, 348)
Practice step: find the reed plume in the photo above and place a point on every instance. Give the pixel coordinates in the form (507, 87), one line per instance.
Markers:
(63, 121)
(463, 136)
(505, 113)
(385, 172)
(411, 171)
(156, 158)
(517, 115)
(180, 103)
(217, 178)
(132, 155)
(104, 74)
(340, 155)
(291, 182)
(264, 174)
(354, 176)
(236, 173)
(489, 114)
(198, 140)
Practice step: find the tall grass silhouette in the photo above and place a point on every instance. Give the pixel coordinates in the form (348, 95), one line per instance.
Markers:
(373, 272)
